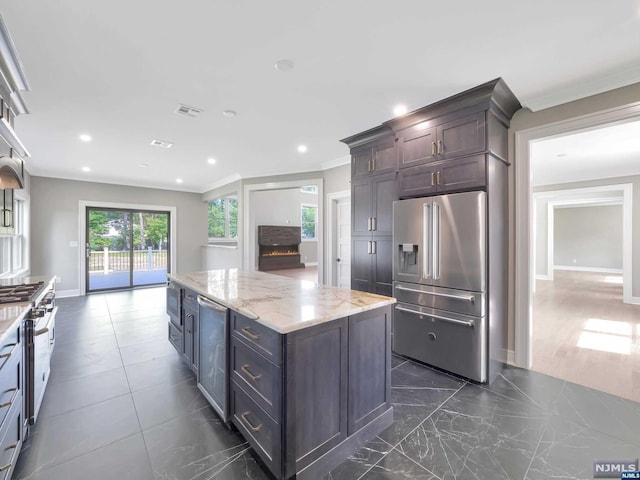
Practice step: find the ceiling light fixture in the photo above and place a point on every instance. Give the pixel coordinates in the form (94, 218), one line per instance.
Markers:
(85, 138)
(86, 169)
(229, 113)
(399, 110)
(143, 165)
(285, 65)
(178, 180)
(562, 155)
(302, 148)
(211, 160)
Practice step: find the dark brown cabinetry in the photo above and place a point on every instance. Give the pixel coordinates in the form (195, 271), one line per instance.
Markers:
(339, 371)
(375, 157)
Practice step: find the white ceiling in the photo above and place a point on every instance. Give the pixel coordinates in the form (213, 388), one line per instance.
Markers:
(606, 152)
(117, 70)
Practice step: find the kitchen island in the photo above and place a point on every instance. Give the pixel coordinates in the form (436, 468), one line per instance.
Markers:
(307, 367)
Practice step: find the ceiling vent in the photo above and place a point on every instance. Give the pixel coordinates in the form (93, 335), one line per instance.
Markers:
(187, 111)
(161, 143)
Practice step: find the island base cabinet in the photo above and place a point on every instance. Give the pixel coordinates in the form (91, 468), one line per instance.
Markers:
(335, 383)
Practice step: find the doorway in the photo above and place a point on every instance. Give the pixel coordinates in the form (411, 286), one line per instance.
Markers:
(126, 248)
(339, 239)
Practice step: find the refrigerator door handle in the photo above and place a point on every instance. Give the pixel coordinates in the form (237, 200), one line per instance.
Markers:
(432, 315)
(469, 298)
(426, 241)
(435, 229)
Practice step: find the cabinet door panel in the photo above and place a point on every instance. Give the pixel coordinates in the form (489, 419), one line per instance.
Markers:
(417, 181)
(462, 173)
(383, 265)
(361, 206)
(385, 193)
(361, 259)
(385, 158)
(189, 318)
(416, 145)
(462, 136)
(360, 163)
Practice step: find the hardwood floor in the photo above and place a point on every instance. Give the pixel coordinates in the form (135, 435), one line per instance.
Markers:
(584, 333)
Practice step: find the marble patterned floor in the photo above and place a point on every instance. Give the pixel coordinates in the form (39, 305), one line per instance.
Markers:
(121, 405)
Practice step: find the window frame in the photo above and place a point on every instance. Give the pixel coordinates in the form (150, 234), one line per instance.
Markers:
(315, 222)
(227, 220)
(18, 241)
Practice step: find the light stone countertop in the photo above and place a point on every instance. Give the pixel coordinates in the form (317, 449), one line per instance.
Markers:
(11, 314)
(280, 303)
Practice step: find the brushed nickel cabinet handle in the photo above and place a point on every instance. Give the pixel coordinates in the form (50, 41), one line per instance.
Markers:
(251, 426)
(433, 149)
(13, 397)
(373, 164)
(246, 370)
(7, 355)
(369, 247)
(373, 247)
(250, 334)
(9, 465)
(438, 177)
(374, 223)
(440, 147)
(369, 165)
(433, 179)
(369, 224)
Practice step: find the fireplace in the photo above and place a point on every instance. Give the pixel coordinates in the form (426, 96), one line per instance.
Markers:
(278, 247)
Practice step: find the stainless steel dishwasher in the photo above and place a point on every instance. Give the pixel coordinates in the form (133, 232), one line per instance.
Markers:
(213, 348)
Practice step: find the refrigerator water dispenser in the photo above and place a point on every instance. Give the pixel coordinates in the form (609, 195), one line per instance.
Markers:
(408, 258)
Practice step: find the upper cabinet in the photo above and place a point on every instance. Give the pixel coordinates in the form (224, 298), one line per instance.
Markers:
(373, 153)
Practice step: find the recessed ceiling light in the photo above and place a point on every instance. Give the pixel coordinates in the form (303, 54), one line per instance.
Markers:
(178, 180)
(562, 155)
(143, 165)
(302, 148)
(229, 113)
(161, 143)
(86, 169)
(211, 160)
(284, 65)
(399, 109)
(85, 138)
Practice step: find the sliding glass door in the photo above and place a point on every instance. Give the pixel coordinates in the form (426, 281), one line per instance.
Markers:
(126, 248)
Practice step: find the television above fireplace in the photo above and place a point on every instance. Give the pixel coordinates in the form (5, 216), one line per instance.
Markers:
(279, 247)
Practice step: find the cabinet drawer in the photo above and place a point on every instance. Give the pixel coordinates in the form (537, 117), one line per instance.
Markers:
(266, 341)
(190, 300)
(257, 375)
(11, 442)
(10, 347)
(462, 173)
(257, 427)
(417, 181)
(10, 387)
(175, 337)
(174, 304)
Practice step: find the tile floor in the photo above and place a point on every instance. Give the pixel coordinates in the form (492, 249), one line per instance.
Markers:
(120, 405)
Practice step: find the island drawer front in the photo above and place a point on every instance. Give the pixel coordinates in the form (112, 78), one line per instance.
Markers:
(190, 300)
(258, 376)
(10, 347)
(10, 386)
(263, 339)
(257, 427)
(11, 443)
(175, 337)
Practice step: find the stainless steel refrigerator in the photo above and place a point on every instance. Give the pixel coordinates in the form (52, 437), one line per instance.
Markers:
(440, 273)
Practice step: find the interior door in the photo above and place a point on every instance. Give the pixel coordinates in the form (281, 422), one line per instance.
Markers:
(460, 246)
(343, 243)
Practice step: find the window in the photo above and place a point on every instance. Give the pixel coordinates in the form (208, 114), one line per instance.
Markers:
(223, 219)
(308, 221)
(309, 189)
(13, 247)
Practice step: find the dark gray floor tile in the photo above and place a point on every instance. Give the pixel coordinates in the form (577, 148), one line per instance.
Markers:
(477, 434)
(362, 461)
(169, 369)
(396, 466)
(397, 360)
(83, 328)
(63, 397)
(67, 436)
(137, 325)
(141, 335)
(414, 374)
(161, 403)
(242, 465)
(527, 386)
(141, 352)
(195, 445)
(600, 411)
(69, 365)
(567, 450)
(124, 459)
(90, 344)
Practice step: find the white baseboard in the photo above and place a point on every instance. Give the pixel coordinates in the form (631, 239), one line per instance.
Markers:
(633, 300)
(543, 277)
(588, 269)
(310, 264)
(67, 293)
(511, 358)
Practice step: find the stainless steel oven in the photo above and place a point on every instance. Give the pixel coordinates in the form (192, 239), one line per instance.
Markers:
(40, 328)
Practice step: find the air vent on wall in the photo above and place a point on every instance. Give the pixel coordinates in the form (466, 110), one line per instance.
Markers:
(161, 143)
(187, 110)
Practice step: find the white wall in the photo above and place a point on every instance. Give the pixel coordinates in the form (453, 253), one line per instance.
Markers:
(588, 237)
(55, 215)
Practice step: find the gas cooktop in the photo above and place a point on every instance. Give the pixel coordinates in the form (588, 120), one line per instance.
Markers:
(25, 292)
